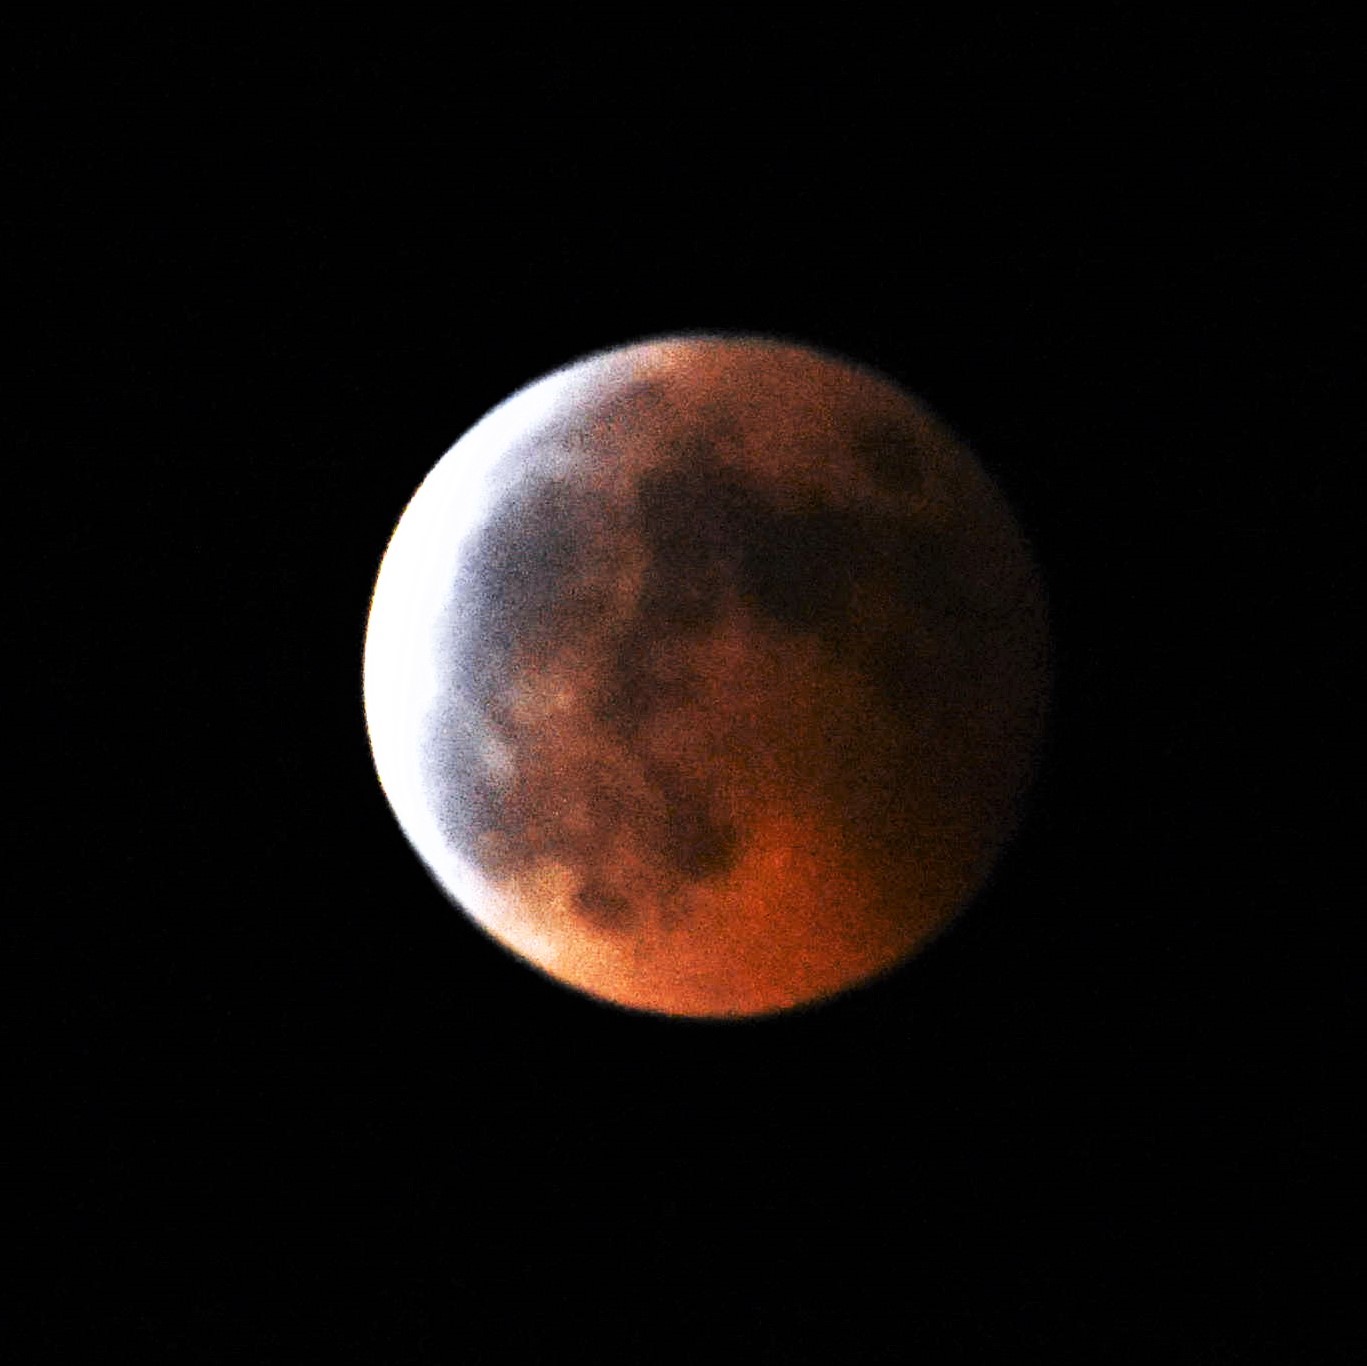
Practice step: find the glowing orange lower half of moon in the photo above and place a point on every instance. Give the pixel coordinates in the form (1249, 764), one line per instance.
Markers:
(706, 675)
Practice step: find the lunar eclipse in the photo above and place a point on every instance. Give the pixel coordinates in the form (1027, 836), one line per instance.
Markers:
(707, 674)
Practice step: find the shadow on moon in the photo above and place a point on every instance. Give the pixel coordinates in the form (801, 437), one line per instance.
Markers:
(737, 680)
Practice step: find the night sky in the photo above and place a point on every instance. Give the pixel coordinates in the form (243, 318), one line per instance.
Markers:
(304, 1101)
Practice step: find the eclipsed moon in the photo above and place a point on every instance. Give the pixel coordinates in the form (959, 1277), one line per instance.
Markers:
(706, 674)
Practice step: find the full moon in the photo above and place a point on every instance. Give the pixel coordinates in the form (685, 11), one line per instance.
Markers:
(706, 675)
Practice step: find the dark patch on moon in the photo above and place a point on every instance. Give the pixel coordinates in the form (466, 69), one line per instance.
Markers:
(797, 569)
(711, 534)
(890, 453)
(699, 844)
(532, 578)
(598, 903)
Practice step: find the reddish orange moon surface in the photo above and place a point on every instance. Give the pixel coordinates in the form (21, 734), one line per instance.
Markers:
(706, 675)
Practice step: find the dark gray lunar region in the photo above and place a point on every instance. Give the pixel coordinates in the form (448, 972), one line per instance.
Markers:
(746, 640)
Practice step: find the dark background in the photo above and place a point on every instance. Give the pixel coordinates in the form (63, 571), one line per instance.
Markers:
(304, 1105)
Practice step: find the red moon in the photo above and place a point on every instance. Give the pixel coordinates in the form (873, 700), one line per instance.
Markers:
(706, 675)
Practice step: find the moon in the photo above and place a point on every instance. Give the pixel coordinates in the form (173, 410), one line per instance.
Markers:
(706, 675)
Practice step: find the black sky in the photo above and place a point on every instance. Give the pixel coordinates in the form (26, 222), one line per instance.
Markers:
(1103, 1110)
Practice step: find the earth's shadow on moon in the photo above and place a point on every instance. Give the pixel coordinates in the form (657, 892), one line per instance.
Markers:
(742, 611)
